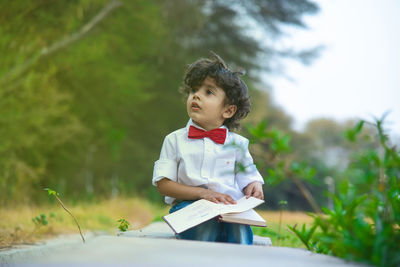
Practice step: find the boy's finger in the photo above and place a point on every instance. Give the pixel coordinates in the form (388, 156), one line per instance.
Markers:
(252, 191)
(227, 199)
(257, 195)
(224, 199)
(246, 192)
(231, 200)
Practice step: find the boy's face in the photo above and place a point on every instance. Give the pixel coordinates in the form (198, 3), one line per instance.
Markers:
(206, 105)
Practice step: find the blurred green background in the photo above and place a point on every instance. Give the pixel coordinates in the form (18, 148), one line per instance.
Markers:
(89, 89)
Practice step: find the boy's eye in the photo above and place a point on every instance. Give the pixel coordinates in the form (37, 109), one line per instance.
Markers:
(209, 92)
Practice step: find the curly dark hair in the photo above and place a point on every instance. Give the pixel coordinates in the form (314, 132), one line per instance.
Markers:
(234, 88)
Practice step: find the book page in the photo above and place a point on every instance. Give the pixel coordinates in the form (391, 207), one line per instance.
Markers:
(203, 210)
(192, 215)
(250, 217)
(241, 205)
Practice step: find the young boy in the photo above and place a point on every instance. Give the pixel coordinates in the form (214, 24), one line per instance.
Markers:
(201, 160)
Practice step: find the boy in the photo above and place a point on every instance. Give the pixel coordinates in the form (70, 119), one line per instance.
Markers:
(198, 161)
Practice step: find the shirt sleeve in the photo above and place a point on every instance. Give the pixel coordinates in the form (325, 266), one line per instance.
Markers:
(246, 170)
(167, 165)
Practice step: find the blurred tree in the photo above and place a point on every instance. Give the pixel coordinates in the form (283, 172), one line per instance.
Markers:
(324, 146)
(264, 108)
(88, 89)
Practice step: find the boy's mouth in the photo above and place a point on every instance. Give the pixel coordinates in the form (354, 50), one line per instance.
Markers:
(195, 106)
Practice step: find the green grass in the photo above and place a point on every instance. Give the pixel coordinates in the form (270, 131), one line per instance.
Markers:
(17, 227)
(283, 237)
(286, 238)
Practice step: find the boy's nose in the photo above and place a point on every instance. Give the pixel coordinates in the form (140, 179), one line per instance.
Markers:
(196, 95)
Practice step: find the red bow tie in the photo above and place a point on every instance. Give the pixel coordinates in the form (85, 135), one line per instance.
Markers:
(217, 135)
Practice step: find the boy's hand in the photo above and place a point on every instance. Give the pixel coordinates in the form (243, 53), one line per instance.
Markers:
(254, 189)
(217, 197)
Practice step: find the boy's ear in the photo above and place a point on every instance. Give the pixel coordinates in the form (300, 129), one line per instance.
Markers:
(230, 110)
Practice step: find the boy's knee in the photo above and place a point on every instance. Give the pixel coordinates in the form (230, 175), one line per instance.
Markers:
(238, 233)
(207, 231)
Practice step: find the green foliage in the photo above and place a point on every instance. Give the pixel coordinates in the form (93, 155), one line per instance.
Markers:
(283, 203)
(278, 162)
(351, 134)
(304, 235)
(89, 116)
(283, 238)
(277, 144)
(51, 192)
(279, 141)
(40, 220)
(364, 223)
(123, 224)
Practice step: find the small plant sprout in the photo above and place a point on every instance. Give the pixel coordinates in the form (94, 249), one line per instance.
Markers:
(123, 224)
(55, 194)
(282, 203)
(40, 220)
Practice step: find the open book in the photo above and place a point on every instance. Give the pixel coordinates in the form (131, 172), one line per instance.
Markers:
(203, 210)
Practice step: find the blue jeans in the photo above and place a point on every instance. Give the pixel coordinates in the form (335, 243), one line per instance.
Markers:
(215, 231)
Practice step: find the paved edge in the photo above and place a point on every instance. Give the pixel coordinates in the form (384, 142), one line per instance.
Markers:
(70, 249)
(162, 230)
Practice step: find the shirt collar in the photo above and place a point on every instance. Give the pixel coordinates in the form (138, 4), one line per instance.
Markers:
(192, 123)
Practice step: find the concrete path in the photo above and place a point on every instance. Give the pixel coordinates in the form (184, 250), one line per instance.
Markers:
(155, 246)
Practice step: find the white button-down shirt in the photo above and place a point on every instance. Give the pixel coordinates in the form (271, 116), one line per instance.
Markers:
(226, 168)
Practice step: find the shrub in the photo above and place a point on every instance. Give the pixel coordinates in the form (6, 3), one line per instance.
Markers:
(364, 224)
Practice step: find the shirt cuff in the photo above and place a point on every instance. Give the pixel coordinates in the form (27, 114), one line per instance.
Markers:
(165, 168)
(250, 175)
